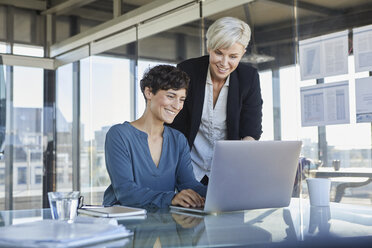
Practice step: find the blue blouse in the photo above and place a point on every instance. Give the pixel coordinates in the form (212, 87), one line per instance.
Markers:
(135, 179)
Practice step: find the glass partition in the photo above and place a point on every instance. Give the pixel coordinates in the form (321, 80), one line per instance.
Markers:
(2, 134)
(267, 109)
(110, 93)
(268, 56)
(28, 137)
(327, 49)
(168, 47)
(105, 101)
(64, 127)
(274, 49)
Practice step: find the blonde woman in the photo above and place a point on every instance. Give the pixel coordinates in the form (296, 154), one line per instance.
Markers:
(224, 96)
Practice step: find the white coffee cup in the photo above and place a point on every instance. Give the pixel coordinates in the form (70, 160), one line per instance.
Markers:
(319, 189)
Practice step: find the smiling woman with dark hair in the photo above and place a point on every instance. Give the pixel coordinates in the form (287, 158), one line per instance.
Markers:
(148, 161)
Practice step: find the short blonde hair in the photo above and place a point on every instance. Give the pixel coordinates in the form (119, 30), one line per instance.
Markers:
(226, 31)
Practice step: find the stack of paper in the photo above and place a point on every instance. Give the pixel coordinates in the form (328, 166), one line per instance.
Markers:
(53, 233)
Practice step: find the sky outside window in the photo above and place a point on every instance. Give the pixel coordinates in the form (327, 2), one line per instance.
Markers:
(345, 136)
(28, 87)
(290, 106)
(105, 93)
(35, 51)
(2, 47)
(64, 91)
(353, 135)
(267, 109)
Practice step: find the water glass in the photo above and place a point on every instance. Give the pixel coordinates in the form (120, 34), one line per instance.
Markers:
(63, 205)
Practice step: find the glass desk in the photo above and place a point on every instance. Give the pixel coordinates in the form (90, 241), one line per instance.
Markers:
(346, 178)
(339, 225)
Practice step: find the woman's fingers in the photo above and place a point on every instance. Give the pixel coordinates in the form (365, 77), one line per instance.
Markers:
(188, 198)
(195, 198)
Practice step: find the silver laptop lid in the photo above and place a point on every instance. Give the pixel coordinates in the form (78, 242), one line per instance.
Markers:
(252, 174)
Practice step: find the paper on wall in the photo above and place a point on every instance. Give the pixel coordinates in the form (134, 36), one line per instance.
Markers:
(363, 99)
(325, 104)
(362, 48)
(324, 56)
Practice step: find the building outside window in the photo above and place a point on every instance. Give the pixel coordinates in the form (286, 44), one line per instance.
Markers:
(22, 175)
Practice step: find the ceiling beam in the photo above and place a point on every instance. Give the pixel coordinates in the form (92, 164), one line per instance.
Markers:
(309, 7)
(26, 4)
(211, 7)
(91, 14)
(269, 35)
(28, 61)
(66, 7)
(130, 19)
(150, 19)
(72, 56)
(117, 6)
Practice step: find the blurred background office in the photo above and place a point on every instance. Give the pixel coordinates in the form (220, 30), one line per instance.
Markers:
(69, 69)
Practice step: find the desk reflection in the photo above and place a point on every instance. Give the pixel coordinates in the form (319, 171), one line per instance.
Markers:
(319, 220)
(344, 178)
(297, 225)
(232, 229)
(185, 229)
(161, 229)
(336, 220)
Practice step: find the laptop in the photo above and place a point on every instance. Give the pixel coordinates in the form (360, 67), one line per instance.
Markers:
(250, 175)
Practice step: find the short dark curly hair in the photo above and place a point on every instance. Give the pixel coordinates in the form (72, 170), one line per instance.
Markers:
(164, 77)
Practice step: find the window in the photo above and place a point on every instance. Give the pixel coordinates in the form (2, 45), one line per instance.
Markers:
(64, 126)
(38, 175)
(36, 156)
(28, 126)
(2, 47)
(2, 176)
(35, 51)
(38, 179)
(60, 178)
(267, 109)
(105, 101)
(353, 147)
(22, 175)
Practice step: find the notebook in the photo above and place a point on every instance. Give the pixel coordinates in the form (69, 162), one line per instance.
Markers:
(112, 212)
(250, 175)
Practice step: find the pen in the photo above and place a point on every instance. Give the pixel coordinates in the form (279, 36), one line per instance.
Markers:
(92, 206)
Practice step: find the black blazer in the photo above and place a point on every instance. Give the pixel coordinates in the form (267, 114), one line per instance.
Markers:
(244, 102)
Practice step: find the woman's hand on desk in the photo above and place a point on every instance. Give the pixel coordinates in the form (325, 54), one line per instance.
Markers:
(188, 198)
